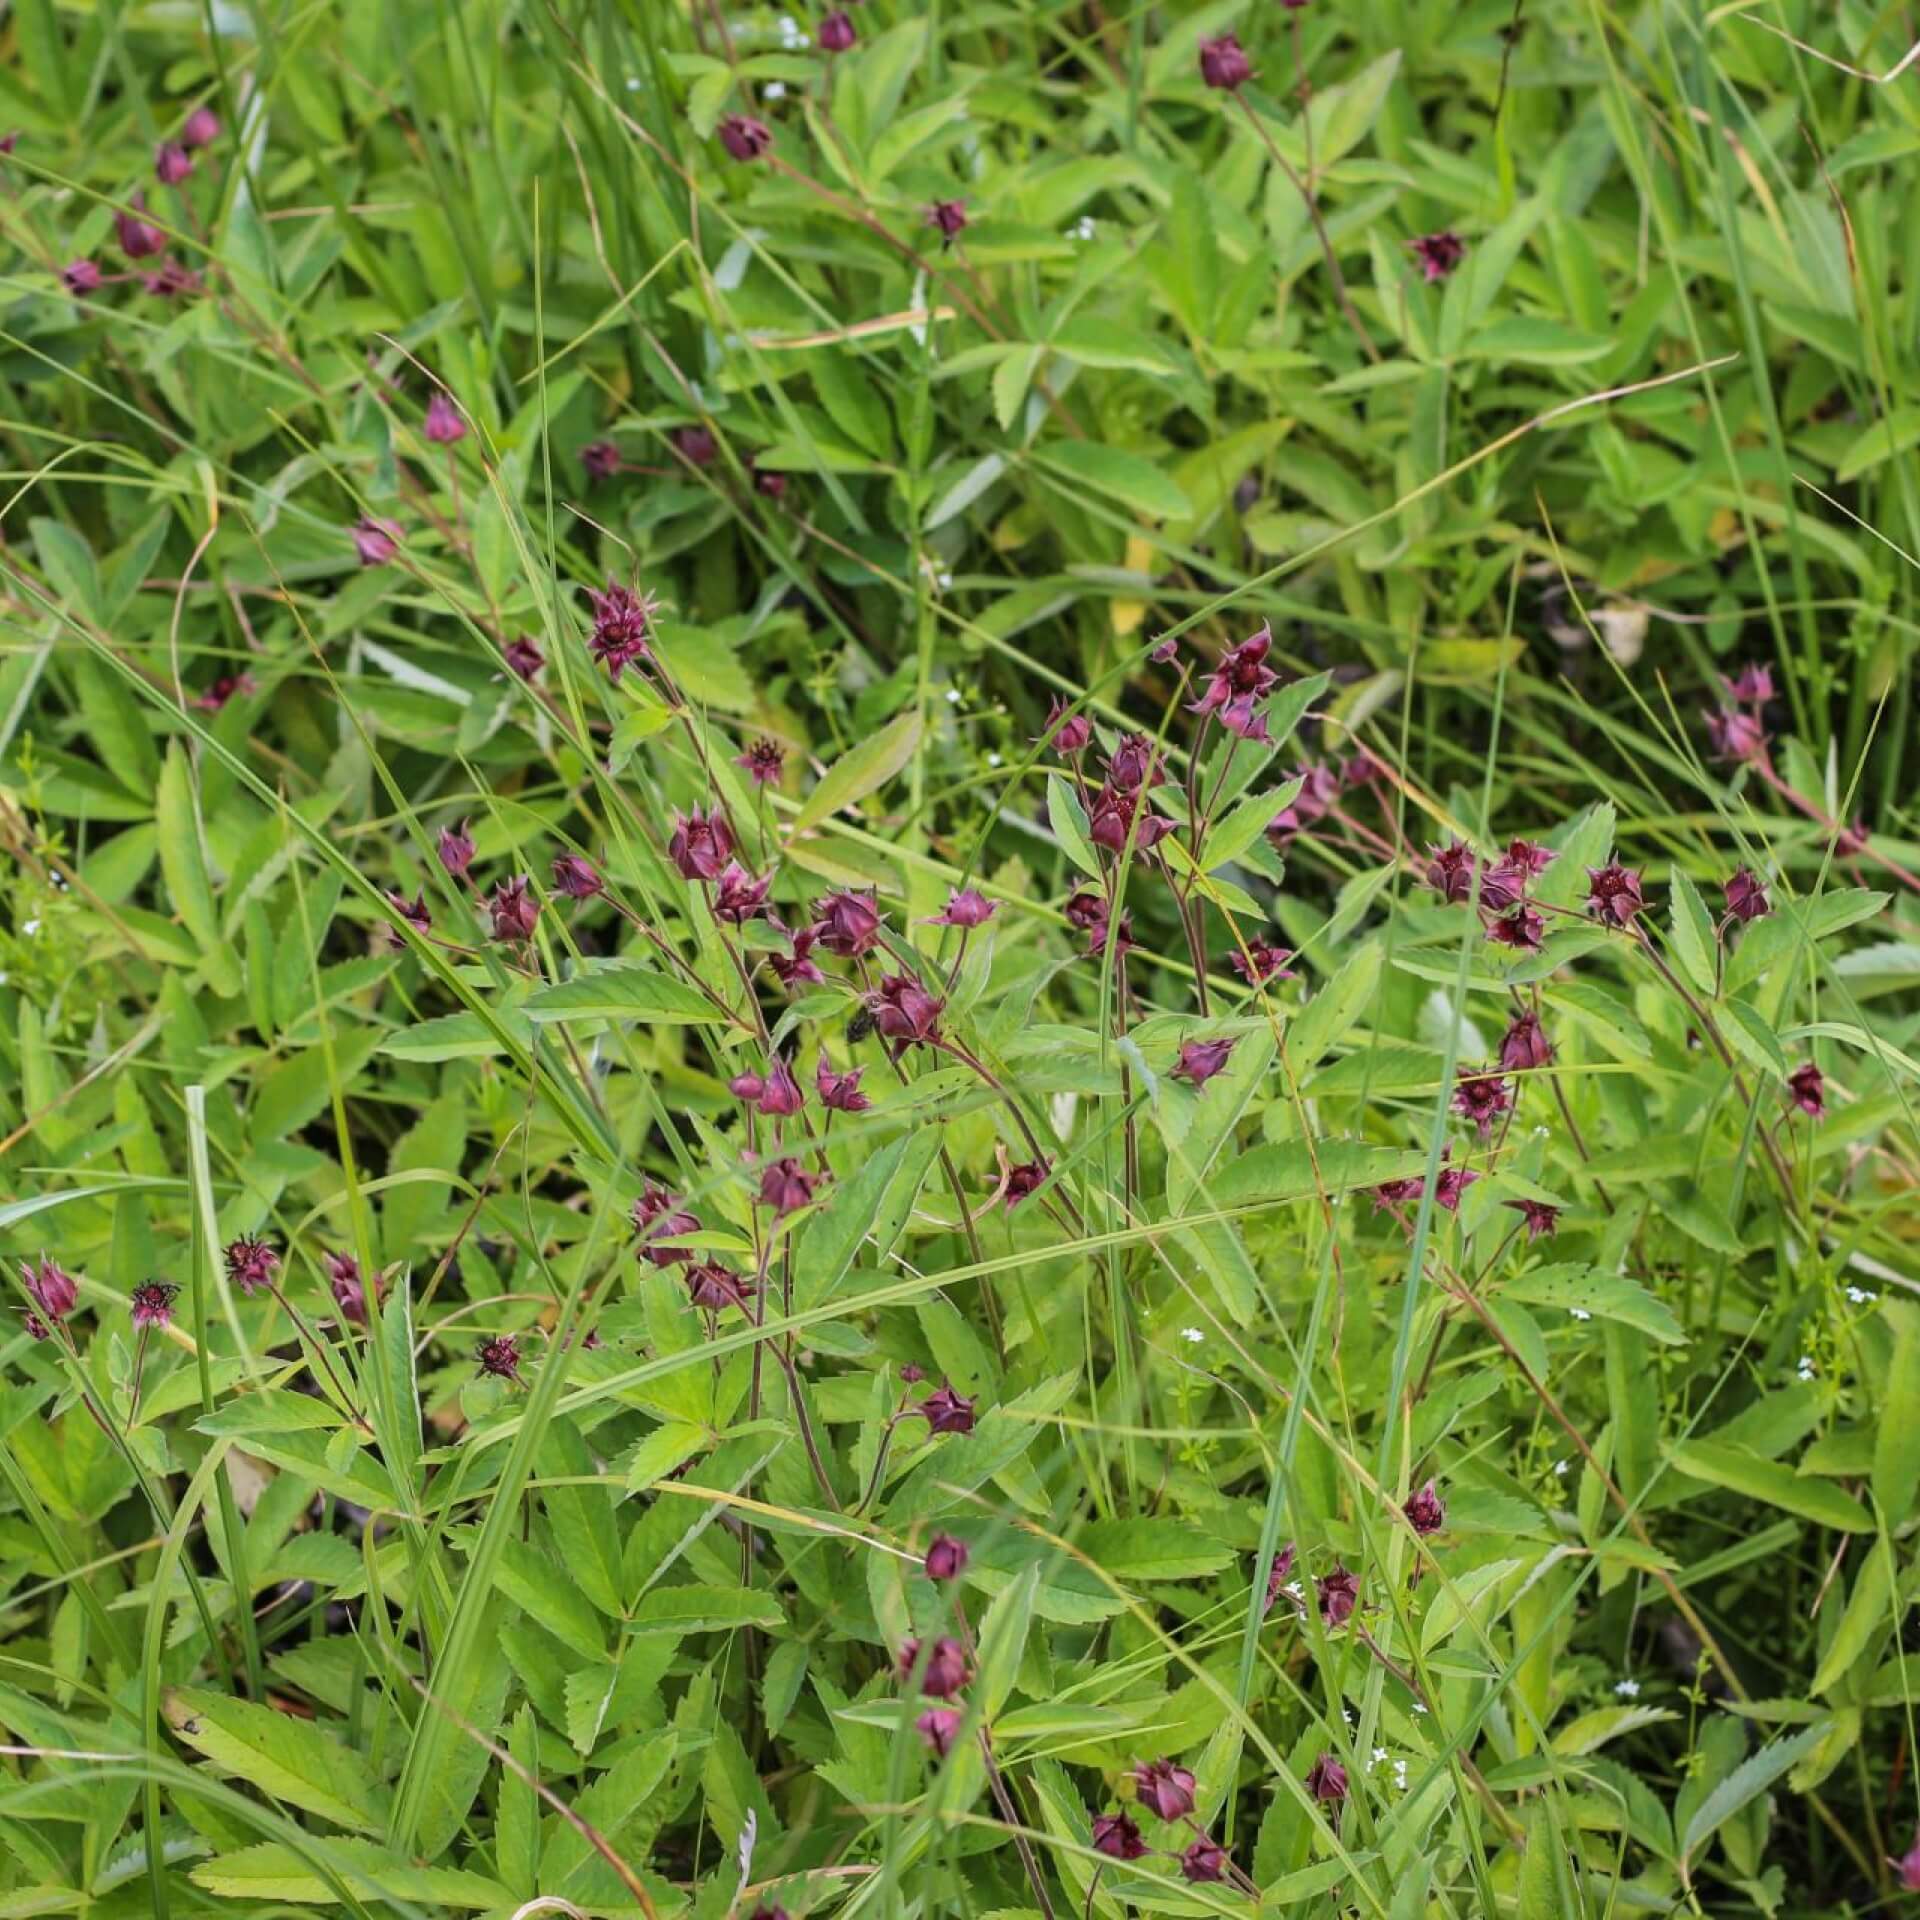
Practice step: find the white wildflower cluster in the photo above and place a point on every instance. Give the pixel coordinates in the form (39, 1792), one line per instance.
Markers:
(1862, 1296)
(791, 38)
(1806, 1369)
(1082, 229)
(1192, 1335)
(1628, 1689)
(1580, 1313)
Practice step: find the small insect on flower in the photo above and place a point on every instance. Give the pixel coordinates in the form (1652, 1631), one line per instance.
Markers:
(1437, 253)
(600, 459)
(577, 878)
(1542, 1221)
(443, 425)
(1327, 1780)
(965, 908)
(1613, 894)
(938, 1728)
(840, 1092)
(1200, 1060)
(1115, 1835)
(1808, 1089)
(455, 848)
(946, 1670)
(622, 620)
(201, 128)
(1747, 897)
(945, 1411)
(80, 278)
(53, 1290)
(171, 163)
(786, 1185)
(152, 1304)
(512, 909)
(762, 762)
(836, 33)
(375, 542)
(1067, 732)
(523, 657)
(1165, 1790)
(1224, 64)
(1339, 1594)
(500, 1357)
(251, 1263)
(744, 137)
(1482, 1098)
(1426, 1512)
(946, 1557)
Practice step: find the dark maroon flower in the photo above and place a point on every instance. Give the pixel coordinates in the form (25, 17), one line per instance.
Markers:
(523, 656)
(904, 1012)
(251, 1263)
(1394, 1193)
(1261, 962)
(1224, 63)
(1278, 1575)
(740, 897)
(578, 879)
(1319, 789)
(1747, 896)
(80, 278)
(1751, 685)
(1200, 1060)
(34, 1326)
(748, 1088)
(1237, 684)
(695, 445)
(771, 485)
(1525, 1044)
(840, 1092)
(1065, 732)
(1613, 894)
(1907, 1867)
(622, 619)
(1085, 911)
(455, 847)
(139, 239)
(782, 1096)
(1482, 1098)
(1339, 1594)
(52, 1289)
(1851, 841)
(1327, 1780)
(836, 33)
(1542, 1221)
(500, 1357)
(201, 128)
(701, 845)
(946, 1670)
(966, 908)
(797, 968)
(601, 459)
(1736, 734)
(946, 1557)
(1508, 879)
(414, 912)
(1169, 649)
(1115, 1835)
(152, 1304)
(513, 909)
(1450, 872)
(348, 1289)
(171, 281)
(938, 1727)
(1426, 1512)
(1452, 1183)
(1438, 253)
(1135, 763)
(1165, 1790)
(171, 163)
(1809, 1089)
(948, 218)
(223, 689)
(745, 138)
(1361, 770)
(912, 1373)
(1025, 1179)
(375, 542)
(1206, 1859)
(849, 924)
(1528, 858)
(945, 1411)
(787, 1186)
(762, 761)
(714, 1287)
(1115, 813)
(1522, 929)
(443, 425)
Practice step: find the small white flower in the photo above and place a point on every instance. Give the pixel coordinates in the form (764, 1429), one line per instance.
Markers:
(1192, 1335)
(953, 696)
(1627, 1689)
(1346, 1714)
(1294, 1588)
(1560, 1469)
(1400, 1775)
(1419, 1706)
(1379, 1754)
(1580, 1313)
(633, 83)
(1806, 1369)
(1082, 229)
(774, 90)
(1862, 1296)
(993, 759)
(943, 579)
(30, 926)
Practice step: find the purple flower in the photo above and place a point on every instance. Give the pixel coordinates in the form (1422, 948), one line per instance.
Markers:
(1224, 63)
(797, 968)
(948, 218)
(714, 1287)
(1169, 649)
(939, 1727)
(1450, 872)
(1736, 734)
(1339, 1594)
(171, 163)
(786, 1185)
(171, 281)
(523, 656)
(455, 847)
(905, 1013)
(1851, 840)
(946, 1670)
(1115, 1835)
(1278, 1575)
(1525, 1044)
(1747, 896)
(1482, 1098)
(945, 1411)
(500, 1357)
(849, 924)
(1200, 1060)
(1542, 1221)
(512, 909)
(772, 485)
(1452, 1183)
(695, 444)
(222, 689)
(836, 33)
(251, 1263)
(1065, 732)
(1751, 685)
(1425, 1512)
(1114, 817)
(443, 424)
(152, 1304)
(840, 1092)
(1438, 253)
(1907, 1867)
(782, 1096)
(1327, 1780)
(1025, 1179)
(1394, 1193)
(1135, 763)
(748, 1088)
(622, 619)
(52, 1288)
(1165, 1790)
(1261, 962)
(578, 879)
(745, 138)
(1809, 1090)
(201, 128)
(414, 912)
(1242, 678)
(1507, 880)
(1206, 1859)
(80, 278)
(139, 239)
(600, 459)
(701, 845)
(376, 541)
(966, 908)
(946, 1557)
(740, 897)
(1613, 894)
(762, 762)
(348, 1289)
(1522, 929)
(1319, 789)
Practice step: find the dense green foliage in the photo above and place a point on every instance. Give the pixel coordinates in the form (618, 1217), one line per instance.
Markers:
(955, 963)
